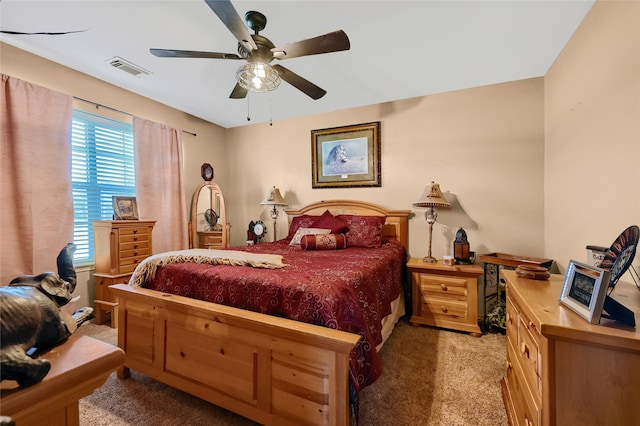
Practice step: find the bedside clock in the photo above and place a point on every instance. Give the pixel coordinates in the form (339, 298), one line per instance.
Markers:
(259, 230)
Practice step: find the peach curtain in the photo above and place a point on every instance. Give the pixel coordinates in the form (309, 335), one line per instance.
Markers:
(36, 213)
(159, 183)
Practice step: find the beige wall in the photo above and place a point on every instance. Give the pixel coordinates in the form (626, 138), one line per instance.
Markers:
(592, 134)
(485, 145)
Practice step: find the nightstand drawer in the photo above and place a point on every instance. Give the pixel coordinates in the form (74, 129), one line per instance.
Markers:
(210, 238)
(444, 308)
(444, 287)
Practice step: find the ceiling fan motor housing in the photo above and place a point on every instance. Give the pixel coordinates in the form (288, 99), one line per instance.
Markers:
(263, 54)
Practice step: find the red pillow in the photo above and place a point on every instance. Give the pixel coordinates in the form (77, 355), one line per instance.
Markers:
(364, 231)
(329, 221)
(323, 242)
(303, 221)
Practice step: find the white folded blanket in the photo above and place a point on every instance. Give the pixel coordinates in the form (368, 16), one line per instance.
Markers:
(146, 270)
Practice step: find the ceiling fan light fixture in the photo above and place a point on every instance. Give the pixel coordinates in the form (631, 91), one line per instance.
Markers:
(258, 77)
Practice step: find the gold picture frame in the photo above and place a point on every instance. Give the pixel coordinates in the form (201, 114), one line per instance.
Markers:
(124, 208)
(346, 157)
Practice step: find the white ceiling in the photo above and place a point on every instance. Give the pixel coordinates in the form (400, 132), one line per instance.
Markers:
(399, 49)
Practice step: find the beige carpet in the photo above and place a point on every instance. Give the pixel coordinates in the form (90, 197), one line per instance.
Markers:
(431, 377)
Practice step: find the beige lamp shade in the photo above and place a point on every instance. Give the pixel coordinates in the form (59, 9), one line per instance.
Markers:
(274, 198)
(432, 197)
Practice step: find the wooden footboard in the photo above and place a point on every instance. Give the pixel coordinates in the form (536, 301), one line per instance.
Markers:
(272, 370)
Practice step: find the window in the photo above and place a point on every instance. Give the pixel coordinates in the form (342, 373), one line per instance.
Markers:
(101, 166)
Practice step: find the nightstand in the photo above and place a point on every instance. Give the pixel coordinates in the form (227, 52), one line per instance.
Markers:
(445, 296)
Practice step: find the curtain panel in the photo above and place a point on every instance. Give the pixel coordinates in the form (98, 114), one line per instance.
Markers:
(159, 183)
(36, 214)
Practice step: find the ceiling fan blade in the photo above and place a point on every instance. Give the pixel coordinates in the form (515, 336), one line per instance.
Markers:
(331, 42)
(170, 53)
(229, 17)
(42, 32)
(300, 83)
(238, 92)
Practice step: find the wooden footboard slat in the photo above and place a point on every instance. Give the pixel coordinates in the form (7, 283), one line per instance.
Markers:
(272, 370)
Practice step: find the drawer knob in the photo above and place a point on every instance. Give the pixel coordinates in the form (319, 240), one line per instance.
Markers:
(444, 287)
(444, 309)
(508, 365)
(525, 350)
(135, 238)
(532, 326)
(135, 231)
(509, 318)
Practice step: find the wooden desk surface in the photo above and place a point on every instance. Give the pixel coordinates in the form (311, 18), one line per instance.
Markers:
(78, 367)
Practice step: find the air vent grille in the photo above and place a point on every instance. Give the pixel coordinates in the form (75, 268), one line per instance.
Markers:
(128, 67)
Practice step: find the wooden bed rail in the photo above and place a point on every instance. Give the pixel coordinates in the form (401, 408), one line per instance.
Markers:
(272, 370)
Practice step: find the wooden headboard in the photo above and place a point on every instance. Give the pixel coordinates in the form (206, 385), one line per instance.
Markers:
(396, 225)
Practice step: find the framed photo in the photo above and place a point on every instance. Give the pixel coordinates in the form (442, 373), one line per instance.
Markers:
(125, 208)
(584, 290)
(346, 157)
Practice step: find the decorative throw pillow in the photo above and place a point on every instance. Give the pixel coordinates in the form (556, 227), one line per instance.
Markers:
(364, 231)
(303, 221)
(323, 242)
(329, 221)
(295, 241)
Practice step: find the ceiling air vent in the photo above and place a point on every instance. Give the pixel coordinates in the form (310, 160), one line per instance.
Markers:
(127, 66)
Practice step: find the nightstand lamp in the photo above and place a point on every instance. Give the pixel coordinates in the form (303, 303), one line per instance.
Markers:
(431, 198)
(274, 199)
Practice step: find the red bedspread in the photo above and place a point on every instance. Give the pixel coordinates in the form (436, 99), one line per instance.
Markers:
(348, 290)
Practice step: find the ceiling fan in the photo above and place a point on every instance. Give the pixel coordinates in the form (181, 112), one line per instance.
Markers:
(257, 75)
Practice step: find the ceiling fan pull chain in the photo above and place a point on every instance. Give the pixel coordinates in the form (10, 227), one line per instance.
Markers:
(248, 109)
(270, 111)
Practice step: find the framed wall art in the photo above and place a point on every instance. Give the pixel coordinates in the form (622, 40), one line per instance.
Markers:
(125, 208)
(584, 290)
(346, 157)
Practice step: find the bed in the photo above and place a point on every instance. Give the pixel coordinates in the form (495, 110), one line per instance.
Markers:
(296, 340)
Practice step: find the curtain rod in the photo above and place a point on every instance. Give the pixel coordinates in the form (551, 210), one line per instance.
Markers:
(117, 110)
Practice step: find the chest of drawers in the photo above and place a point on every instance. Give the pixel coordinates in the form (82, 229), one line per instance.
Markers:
(119, 246)
(445, 296)
(563, 370)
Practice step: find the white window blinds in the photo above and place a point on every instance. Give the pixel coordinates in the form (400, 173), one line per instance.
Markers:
(102, 166)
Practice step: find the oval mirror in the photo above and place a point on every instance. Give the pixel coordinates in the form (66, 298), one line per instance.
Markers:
(208, 225)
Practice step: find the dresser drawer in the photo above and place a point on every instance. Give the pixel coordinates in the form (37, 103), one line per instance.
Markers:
(529, 355)
(135, 252)
(128, 265)
(133, 239)
(512, 319)
(136, 245)
(143, 230)
(524, 404)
